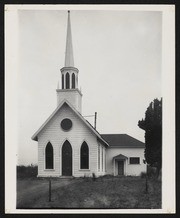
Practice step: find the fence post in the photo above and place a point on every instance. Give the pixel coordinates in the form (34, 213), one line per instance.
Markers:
(146, 185)
(146, 178)
(145, 162)
(50, 189)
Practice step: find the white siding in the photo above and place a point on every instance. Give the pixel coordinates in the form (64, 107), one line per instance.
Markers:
(130, 169)
(101, 168)
(71, 95)
(80, 132)
(99, 157)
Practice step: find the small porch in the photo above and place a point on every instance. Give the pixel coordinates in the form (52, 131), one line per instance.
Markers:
(120, 165)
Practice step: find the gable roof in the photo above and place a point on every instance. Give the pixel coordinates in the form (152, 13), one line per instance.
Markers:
(35, 138)
(122, 140)
(120, 157)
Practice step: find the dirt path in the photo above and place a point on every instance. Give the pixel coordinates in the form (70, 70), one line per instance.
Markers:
(31, 191)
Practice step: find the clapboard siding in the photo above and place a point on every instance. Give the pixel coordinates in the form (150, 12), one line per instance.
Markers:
(130, 169)
(79, 133)
(71, 95)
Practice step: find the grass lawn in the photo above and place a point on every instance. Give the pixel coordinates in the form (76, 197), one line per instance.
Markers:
(104, 192)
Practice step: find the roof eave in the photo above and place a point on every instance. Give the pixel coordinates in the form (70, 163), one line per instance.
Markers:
(103, 141)
(35, 138)
(111, 146)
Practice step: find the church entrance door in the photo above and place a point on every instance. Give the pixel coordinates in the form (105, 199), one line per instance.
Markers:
(66, 159)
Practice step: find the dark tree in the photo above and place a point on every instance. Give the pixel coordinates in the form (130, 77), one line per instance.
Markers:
(152, 125)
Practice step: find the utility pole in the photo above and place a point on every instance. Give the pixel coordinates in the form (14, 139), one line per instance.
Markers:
(95, 118)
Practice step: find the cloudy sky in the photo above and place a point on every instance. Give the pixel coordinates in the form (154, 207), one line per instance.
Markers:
(118, 54)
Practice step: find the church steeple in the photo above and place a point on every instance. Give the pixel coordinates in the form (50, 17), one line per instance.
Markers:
(69, 72)
(69, 75)
(69, 59)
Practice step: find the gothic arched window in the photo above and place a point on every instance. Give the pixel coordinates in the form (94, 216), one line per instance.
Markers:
(49, 156)
(73, 81)
(62, 81)
(67, 80)
(84, 156)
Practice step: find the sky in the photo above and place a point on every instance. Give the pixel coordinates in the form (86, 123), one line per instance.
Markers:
(118, 54)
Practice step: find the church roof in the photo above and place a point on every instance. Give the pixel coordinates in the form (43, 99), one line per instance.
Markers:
(122, 140)
(35, 136)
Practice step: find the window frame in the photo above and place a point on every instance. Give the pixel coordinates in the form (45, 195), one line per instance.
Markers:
(61, 124)
(52, 156)
(134, 158)
(73, 81)
(62, 81)
(88, 156)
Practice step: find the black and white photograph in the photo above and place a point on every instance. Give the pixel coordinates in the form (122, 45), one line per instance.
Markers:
(89, 95)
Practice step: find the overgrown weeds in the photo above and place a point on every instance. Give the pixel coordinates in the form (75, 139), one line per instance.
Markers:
(29, 171)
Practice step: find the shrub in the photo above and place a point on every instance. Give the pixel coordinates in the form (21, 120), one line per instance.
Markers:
(108, 176)
(93, 176)
(143, 175)
(152, 172)
(29, 171)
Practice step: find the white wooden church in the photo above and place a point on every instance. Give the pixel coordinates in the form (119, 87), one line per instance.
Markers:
(68, 145)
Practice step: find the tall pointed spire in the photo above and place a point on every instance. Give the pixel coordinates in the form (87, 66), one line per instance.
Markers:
(69, 76)
(69, 59)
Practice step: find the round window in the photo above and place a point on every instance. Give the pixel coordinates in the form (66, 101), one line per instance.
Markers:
(66, 124)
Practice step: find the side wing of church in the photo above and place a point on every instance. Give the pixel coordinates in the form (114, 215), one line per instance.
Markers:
(68, 145)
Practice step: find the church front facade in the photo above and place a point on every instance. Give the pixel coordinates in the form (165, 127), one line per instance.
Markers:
(68, 145)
